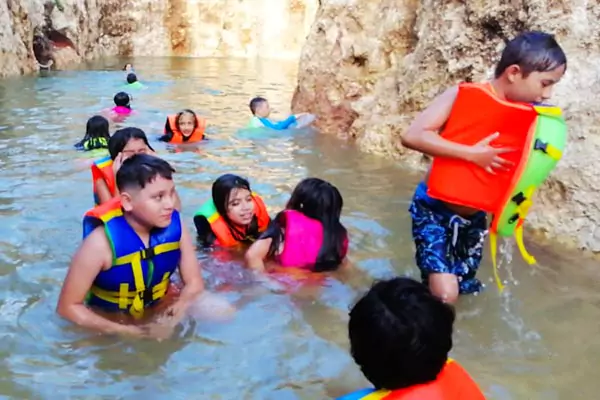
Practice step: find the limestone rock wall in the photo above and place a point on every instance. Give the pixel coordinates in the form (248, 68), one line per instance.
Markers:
(35, 32)
(367, 67)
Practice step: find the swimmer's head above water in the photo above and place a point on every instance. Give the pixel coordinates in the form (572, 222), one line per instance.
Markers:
(131, 78)
(400, 334)
(259, 106)
(187, 122)
(147, 190)
(128, 67)
(122, 99)
(129, 141)
(232, 197)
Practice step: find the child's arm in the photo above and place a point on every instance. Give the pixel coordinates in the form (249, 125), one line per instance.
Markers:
(257, 253)
(168, 135)
(193, 292)
(191, 275)
(103, 192)
(423, 136)
(93, 255)
(281, 125)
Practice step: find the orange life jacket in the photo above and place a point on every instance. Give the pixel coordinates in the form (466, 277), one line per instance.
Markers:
(452, 383)
(476, 114)
(196, 136)
(220, 228)
(103, 169)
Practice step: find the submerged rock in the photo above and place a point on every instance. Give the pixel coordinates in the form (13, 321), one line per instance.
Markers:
(368, 67)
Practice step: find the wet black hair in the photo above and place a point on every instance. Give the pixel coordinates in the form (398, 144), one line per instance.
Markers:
(96, 134)
(140, 169)
(255, 102)
(131, 77)
(221, 192)
(533, 52)
(121, 137)
(320, 200)
(122, 99)
(400, 334)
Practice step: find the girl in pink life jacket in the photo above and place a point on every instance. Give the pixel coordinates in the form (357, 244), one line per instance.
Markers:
(307, 234)
(122, 108)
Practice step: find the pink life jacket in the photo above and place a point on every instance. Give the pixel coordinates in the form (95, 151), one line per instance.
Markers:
(121, 110)
(302, 240)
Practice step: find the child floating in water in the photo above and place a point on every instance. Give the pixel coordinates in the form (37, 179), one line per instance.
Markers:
(449, 237)
(132, 246)
(261, 110)
(128, 68)
(96, 134)
(235, 215)
(184, 127)
(132, 82)
(400, 337)
(123, 144)
(122, 108)
(308, 233)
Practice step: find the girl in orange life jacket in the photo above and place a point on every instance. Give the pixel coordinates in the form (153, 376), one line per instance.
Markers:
(235, 215)
(184, 127)
(308, 233)
(400, 336)
(123, 144)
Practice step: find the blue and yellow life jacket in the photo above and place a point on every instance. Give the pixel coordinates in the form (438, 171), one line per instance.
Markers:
(139, 276)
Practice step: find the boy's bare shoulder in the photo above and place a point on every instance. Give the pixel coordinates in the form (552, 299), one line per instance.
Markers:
(96, 245)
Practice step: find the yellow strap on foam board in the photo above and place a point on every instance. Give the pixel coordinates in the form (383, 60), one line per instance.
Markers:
(494, 248)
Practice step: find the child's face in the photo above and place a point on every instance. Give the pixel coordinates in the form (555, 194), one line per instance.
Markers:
(128, 67)
(153, 205)
(134, 146)
(240, 207)
(536, 87)
(263, 110)
(186, 124)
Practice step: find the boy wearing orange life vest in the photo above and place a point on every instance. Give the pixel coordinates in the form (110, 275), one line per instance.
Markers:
(400, 336)
(449, 237)
(132, 246)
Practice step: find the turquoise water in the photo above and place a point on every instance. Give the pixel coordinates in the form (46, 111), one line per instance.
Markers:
(536, 342)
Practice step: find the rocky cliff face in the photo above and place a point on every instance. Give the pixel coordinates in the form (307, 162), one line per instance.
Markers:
(35, 33)
(367, 67)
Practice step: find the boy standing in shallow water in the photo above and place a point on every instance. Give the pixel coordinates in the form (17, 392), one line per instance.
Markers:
(449, 237)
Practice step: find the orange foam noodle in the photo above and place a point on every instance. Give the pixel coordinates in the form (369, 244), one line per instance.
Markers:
(476, 114)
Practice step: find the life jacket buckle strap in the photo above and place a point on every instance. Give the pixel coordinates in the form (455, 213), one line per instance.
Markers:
(147, 254)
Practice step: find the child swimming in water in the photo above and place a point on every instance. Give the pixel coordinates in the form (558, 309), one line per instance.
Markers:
(132, 82)
(234, 215)
(261, 110)
(132, 246)
(308, 233)
(122, 108)
(400, 336)
(128, 68)
(96, 134)
(184, 127)
(123, 144)
(448, 237)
